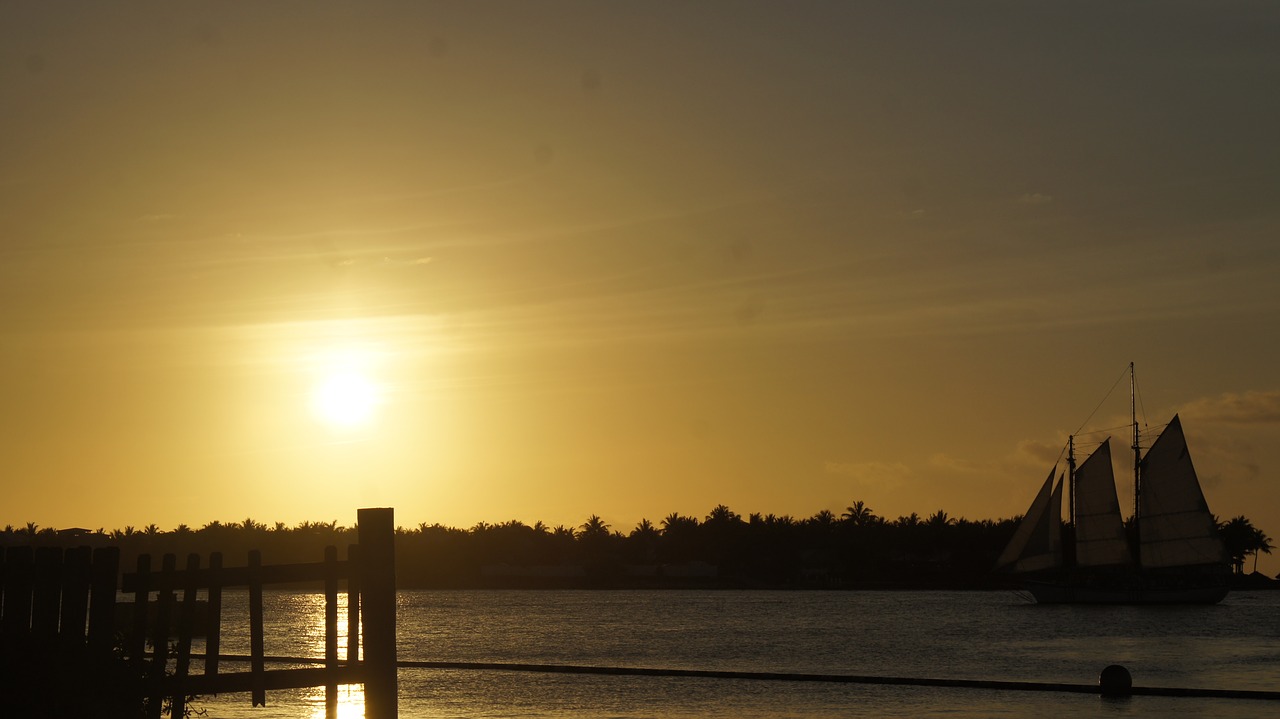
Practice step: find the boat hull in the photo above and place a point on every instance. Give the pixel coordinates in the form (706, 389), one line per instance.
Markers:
(1063, 593)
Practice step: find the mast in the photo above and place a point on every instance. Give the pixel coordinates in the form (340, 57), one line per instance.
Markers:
(1137, 463)
(1069, 548)
(1071, 479)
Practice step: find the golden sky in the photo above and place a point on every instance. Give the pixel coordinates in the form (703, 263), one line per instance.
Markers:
(626, 258)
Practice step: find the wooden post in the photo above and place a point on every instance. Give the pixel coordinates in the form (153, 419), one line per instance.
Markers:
(378, 587)
(75, 598)
(213, 632)
(257, 665)
(46, 592)
(353, 604)
(160, 637)
(141, 593)
(19, 576)
(102, 602)
(331, 631)
(186, 626)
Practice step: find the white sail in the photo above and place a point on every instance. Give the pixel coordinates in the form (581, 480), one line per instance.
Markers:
(1037, 543)
(1100, 539)
(1176, 529)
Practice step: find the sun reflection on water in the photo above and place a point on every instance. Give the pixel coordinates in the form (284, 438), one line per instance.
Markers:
(308, 614)
(307, 619)
(350, 702)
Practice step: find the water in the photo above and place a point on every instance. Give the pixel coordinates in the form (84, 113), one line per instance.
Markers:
(969, 635)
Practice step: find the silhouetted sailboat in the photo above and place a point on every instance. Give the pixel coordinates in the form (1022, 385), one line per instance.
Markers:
(1174, 555)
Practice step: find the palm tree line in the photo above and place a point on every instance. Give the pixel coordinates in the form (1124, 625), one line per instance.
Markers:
(855, 548)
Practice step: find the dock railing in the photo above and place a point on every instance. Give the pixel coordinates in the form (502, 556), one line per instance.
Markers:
(61, 649)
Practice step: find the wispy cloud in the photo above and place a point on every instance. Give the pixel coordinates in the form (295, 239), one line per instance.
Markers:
(884, 475)
(1028, 453)
(383, 262)
(1035, 198)
(1252, 407)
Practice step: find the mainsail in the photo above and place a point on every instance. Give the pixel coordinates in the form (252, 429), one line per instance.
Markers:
(1037, 544)
(1176, 526)
(1177, 557)
(1100, 539)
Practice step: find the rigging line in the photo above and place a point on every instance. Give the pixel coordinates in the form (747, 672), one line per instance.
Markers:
(1061, 453)
(1104, 399)
(1103, 430)
(1137, 390)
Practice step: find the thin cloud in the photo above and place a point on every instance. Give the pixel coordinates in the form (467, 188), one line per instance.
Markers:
(1252, 407)
(1035, 198)
(871, 474)
(382, 262)
(1028, 453)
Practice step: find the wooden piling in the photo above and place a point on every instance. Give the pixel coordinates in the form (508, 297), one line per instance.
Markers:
(213, 632)
(141, 592)
(102, 602)
(186, 627)
(75, 598)
(160, 636)
(258, 667)
(46, 593)
(331, 631)
(378, 587)
(18, 579)
(353, 605)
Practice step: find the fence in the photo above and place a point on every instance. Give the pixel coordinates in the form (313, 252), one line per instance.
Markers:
(52, 666)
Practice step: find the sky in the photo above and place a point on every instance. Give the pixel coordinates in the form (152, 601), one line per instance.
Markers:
(542, 260)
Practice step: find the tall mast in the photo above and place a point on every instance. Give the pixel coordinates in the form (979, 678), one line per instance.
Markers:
(1137, 463)
(1070, 549)
(1071, 479)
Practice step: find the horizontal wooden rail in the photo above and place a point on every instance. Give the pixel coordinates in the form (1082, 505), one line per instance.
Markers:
(279, 659)
(240, 576)
(844, 679)
(270, 680)
(802, 677)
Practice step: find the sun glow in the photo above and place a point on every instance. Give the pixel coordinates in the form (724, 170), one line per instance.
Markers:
(344, 393)
(345, 398)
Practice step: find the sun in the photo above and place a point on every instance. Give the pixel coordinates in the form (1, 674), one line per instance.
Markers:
(345, 398)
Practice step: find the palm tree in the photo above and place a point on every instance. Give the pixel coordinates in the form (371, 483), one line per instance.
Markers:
(1241, 538)
(911, 520)
(722, 515)
(824, 518)
(859, 514)
(1261, 543)
(675, 522)
(594, 527)
(940, 519)
(645, 529)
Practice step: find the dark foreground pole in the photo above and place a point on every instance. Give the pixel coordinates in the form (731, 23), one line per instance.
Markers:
(853, 679)
(378, 596)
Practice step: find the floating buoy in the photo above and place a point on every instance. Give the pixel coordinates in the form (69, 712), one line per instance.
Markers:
(1115, 681)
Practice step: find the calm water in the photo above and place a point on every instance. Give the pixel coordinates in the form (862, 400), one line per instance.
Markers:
(973, 635)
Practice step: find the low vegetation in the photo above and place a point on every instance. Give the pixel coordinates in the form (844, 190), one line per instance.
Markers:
(856, 548)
